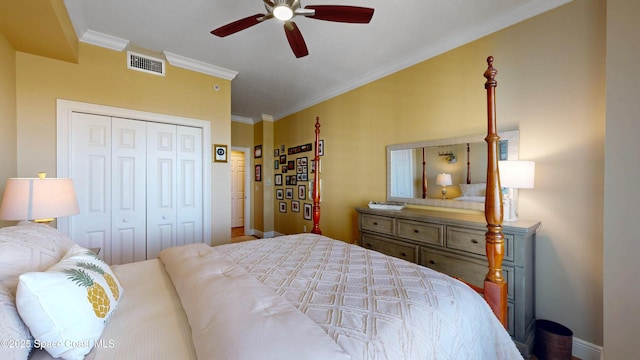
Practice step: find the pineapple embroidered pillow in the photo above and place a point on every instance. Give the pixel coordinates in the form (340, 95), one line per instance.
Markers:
(67, 307)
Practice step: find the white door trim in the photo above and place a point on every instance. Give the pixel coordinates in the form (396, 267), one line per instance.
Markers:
(66, 107)
(247, 187)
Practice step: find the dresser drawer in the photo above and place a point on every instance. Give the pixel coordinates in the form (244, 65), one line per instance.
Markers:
(470, 270)
(379, 224)
(423, 232)
(390, 247)
(473, 241)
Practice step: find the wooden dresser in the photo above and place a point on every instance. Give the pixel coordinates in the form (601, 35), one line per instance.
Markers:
(454, 243)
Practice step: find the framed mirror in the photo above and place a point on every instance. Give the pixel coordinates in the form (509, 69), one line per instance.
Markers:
(413, 169)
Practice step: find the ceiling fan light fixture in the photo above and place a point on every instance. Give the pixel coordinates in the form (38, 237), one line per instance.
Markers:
(283, 12)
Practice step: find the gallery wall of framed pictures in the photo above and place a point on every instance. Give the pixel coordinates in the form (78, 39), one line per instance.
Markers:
(293, 179)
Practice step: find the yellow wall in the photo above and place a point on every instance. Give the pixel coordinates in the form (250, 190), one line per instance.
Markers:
(257, 189)
(101, 77)
(550, 87)
(622, 171)
(8, 162)
(242, 136)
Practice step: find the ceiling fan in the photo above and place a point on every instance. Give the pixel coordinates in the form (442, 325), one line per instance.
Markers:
(286, 10)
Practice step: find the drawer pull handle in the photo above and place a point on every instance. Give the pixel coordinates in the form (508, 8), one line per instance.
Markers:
(404, 254)
(474, 241)
(416, 231)
(375, 223)
(432, 262)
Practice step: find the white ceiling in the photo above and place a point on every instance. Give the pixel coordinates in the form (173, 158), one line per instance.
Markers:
(270, 80)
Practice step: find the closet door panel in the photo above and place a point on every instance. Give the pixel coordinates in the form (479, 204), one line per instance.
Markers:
(128, 194)
(161, 187)
(91, 173)
(189, 187)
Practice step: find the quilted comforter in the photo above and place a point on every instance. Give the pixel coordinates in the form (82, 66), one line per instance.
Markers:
(310, 297)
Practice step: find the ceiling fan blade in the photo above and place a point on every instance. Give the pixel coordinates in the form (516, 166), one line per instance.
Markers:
(238, 25)
(296, 41)
(339, 13)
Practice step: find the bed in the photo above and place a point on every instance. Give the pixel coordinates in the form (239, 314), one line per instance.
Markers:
(301, 296)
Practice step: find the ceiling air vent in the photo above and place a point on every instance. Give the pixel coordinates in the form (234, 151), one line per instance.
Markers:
(145, 63)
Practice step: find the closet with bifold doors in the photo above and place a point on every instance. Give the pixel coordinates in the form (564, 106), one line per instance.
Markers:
(139, 185)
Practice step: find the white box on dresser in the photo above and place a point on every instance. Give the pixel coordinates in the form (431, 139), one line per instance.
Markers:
(454, 243)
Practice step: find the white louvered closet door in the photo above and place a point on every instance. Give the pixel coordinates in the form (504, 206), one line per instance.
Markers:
(128, 191)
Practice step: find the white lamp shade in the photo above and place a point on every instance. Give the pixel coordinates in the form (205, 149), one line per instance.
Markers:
(443, 179)
(517, 174)
(33, 198)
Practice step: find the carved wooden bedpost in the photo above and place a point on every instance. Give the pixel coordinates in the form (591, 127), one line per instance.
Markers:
(316, 183)
(495, 288)
(424, 174)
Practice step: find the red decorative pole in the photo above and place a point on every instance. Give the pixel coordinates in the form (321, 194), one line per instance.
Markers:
(316, 183)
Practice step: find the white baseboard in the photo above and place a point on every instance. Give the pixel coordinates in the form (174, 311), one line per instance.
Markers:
(585, 350)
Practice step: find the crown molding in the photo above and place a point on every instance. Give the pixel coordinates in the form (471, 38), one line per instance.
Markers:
(104, 40)
(200, 66)
(244, 120)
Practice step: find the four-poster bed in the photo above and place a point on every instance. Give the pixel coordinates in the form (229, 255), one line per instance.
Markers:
(302, 296)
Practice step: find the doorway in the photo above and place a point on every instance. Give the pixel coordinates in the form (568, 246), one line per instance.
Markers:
(240, 192)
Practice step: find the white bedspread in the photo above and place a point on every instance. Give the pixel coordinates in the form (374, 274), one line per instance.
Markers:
(296, 297)
(373, 306)
(234, 317)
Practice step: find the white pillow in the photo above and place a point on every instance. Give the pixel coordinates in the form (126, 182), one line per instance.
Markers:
(479, 189)
(17, 340)
(66, 307)
(29, 247)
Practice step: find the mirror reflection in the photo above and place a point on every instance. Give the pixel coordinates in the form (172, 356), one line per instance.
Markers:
(413, 169)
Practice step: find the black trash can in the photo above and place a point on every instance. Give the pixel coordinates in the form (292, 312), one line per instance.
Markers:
(553, 341)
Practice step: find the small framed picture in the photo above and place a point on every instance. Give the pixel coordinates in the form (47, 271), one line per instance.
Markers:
(295, 206)
(219, 153)
(288, 193)
(276, 164)
(302, 192)
(258, 172)
(257, 151)
(276, 153)
(279, 194)
(278, 179)
(307, 211)
(291, 164)
(283, 207)
(321, 147)
(283, 159)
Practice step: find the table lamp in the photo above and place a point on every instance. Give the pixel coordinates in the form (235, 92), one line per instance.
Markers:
(515, 174)
(38, 199)
(444, 180)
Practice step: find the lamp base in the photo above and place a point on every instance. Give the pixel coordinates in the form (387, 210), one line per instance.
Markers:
(509, 207)
(444, 193)
(44, 221)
